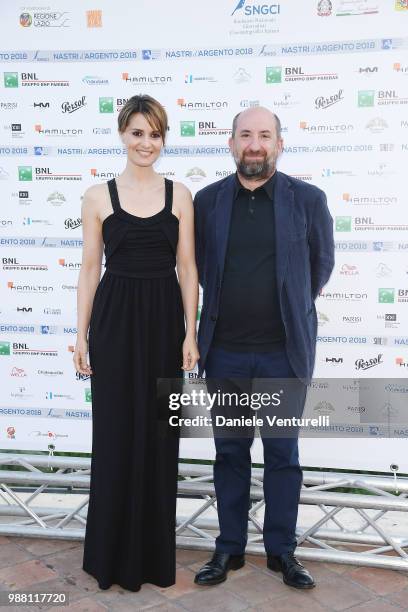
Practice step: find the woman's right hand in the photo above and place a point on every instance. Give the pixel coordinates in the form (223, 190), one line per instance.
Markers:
(80, 357)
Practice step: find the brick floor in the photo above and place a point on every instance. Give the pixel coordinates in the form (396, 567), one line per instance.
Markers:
(54, 565)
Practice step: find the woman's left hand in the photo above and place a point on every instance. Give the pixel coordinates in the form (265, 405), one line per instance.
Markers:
(190, 354)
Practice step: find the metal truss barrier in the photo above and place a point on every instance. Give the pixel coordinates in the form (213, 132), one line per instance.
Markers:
(327, 539)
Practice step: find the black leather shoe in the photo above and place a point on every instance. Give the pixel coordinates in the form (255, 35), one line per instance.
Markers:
(216, 570)
(294, 574)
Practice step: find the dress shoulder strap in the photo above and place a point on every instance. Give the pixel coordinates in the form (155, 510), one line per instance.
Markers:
(168, 203)
(113, 192)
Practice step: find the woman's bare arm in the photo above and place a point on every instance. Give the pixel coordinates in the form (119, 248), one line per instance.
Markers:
(90, 273)
(187, 271)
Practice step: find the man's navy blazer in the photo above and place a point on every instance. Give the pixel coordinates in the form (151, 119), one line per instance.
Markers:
(304, 260)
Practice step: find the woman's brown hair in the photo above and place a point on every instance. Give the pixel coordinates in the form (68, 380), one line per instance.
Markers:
(150, 108)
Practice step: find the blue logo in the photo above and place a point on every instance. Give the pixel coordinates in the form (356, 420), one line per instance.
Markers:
(378, 246)
(45, 329)
(256, 9)
(386, 43)
(239, 6)
(150, 54)
(38, 150)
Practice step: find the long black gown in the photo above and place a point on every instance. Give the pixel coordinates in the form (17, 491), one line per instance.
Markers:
(135, 336)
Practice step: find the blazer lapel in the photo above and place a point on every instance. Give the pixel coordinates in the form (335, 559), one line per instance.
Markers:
(223, 209)
(284, 203)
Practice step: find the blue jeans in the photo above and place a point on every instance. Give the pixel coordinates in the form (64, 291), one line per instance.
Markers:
(232, 468)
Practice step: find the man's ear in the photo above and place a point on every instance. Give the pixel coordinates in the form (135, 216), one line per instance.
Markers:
(230, 142)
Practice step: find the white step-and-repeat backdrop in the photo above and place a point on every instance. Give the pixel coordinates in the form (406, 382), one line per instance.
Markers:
(336, 73)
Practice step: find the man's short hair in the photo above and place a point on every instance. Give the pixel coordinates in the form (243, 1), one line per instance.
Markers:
(278, 125)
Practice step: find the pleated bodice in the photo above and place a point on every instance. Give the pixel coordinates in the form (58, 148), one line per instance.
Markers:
(140, 247)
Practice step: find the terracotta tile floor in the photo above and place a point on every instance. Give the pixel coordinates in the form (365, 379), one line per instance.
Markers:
(54, 565)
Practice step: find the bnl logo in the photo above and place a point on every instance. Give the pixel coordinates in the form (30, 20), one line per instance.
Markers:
(256, 9)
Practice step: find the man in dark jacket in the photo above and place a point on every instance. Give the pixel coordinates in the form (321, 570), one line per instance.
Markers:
(264, 249)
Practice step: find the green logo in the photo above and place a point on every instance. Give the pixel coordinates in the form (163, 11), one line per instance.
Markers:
(199, 312)
(187, 128)
(4, 348)
(11, 79)
(366, 98)
(25, 173)
(274, 74)
(343, 224)
(106, 105)
(88, 395)
(386, 296)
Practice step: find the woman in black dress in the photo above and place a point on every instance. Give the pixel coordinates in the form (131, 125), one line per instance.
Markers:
(141, 322)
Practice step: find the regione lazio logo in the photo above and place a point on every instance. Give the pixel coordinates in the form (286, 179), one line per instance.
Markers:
(25, 20)
(106, 105)
(187, 128)
(401, 5)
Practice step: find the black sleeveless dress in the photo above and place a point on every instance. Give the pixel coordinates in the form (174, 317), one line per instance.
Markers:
(135, 336)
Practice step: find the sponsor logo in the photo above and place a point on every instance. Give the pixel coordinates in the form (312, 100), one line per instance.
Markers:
(347, 8)
(58, 131)
(195, 174)
(322, 128)
(284, 74)
(11, 432)
(30, 79)
(366, 98)
(386, 296)
(56, 198)
(322, 102)
(349, 270)
(29, 288)
(249, 103)
(401, 5)
(365, 364)
(69, 265)
(383, 270)
(72, 223)
(324, 8)
(157, 79)
(105, 105)
(187, 128)
(95, 80)
(400, 361)
(25, 173)
(88, 395)
(377, 125)
(94, 18)
(201, 104)
(352, 319)
(4, 348)
(45, 18)
(18, 373)
(339, 296)
(71, 107)
(254, 17)
(241, 76)
(334, 360)
(192, 78)
(11, 263)
(398, 67)
(103, 175)
(366, 200)
(10, 79)
(343, 224)
(150, 54)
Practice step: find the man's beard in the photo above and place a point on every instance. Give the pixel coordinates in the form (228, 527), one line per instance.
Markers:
(255, 170)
